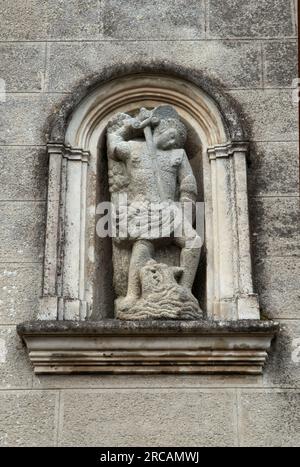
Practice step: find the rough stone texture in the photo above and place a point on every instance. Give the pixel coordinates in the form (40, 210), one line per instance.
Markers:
(283, 367)
(270, 114)
(52, 19)
(23, 173)
(153, 19)
(23, 118)
(280, 63)
(277, 283)
(266, 417)
(28, 418)
(278, 286)
(182, 347)
(22, 66)
(75, 19)
(232, 111)
(15, 369)
(148, 327)
(23, 20)
(22, 231)
(235, 64)
(241, 18)
(148, 418)
(146, 381)
(273, 169)
(135, 87)
(20, 289)
(275, 226)
(270, 419)
(149, 159)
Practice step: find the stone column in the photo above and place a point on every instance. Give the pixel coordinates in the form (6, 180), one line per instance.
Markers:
(247, 301)
(232, 275)
(49, 300)
(74, 306)
(64, 289)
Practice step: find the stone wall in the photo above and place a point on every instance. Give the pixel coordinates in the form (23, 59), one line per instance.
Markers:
(248, 47)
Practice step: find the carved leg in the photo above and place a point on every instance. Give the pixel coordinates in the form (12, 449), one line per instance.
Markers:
(142, 251)
(189, 257)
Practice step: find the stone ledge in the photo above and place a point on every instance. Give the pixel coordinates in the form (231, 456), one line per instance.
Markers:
(148, 347)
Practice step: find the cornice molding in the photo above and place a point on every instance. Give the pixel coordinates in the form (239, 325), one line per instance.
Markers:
(178, 347)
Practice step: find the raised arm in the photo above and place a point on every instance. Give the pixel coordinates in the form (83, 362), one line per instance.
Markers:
(118, 133)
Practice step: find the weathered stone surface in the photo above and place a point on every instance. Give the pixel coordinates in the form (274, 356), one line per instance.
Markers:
(146, 418)
(184, 347)
(147, 162)
(234, 64)
(23, 20)
(23, 118)
(22, 66)
(20, 289)
(273, 169)
(75, 19)
(295, 12)
(23, 173)
(146, 20)
(277, 283)
(137, 86)
(283, 366)
(230, 107)
(28, 418)
(280, 63)
(112, 382)
(148, 327)
(275, 226)
(241, 18)
(270, 114)
(269, 419)
(52, 19)
(22, 231)
(15, 369)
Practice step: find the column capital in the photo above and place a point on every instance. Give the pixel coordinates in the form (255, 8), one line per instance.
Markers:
(67, 152)
(227, 150)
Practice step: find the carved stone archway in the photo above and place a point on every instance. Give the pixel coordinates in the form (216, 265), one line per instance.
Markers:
(229, 279)
(70, 239)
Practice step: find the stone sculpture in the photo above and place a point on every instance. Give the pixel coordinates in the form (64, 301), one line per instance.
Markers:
(150, 180)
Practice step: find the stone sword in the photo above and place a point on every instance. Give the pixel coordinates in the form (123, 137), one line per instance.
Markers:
(146, 126)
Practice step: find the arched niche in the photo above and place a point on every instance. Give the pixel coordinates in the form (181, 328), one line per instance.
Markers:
(104, 286)
(75, 332)
(76, 267)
